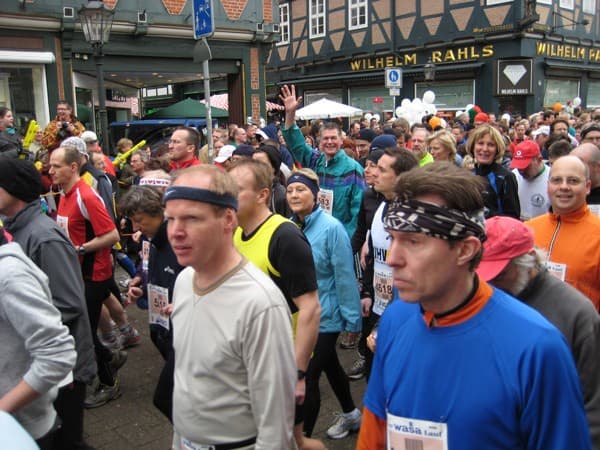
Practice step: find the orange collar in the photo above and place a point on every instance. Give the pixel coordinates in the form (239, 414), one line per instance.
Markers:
(476, 304)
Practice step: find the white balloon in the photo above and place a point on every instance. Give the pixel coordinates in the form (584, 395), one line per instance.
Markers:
(399, 111)
(444, 123)
(458, 113)
(405, 102)
(433, 109)
(505, 117)
(368, 116)
(428, 97)
(377, 117)
(469, 106)
(576, 102)
(417, 101)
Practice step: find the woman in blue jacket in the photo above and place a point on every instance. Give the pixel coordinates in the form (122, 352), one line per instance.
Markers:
(339, 298)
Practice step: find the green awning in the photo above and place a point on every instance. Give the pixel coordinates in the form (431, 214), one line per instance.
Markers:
(187, 109)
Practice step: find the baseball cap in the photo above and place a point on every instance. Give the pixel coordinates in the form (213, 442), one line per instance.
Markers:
(224, 154)
(76, 143)
(383, 141)
(507, 238)
(524, 152)
(244, 150)
(544, 129)
(89, 137)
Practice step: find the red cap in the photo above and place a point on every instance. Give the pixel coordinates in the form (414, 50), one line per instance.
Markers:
(481, 117)
(524, 152)
(507, 238)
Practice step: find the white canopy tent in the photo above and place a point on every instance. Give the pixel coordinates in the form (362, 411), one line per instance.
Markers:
(327, 109)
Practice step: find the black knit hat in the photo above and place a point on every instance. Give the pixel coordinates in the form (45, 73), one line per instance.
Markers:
(20, 179)
(273, 154)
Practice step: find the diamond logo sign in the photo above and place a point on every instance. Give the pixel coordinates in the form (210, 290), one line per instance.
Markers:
(514, 73)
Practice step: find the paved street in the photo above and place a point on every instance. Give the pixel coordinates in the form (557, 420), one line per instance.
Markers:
(132, 422)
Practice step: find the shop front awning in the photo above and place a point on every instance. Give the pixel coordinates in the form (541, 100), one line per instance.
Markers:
(15, 56)
(571, 67)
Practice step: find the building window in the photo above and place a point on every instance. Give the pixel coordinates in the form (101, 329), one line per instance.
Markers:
(23, 90)
(284, 23)
(161, 91)
(545, 2)
(567, 4)
(589, 6)
(449, 95)
(317, 18)
(558, 91)
(357, 14)
(496, 2)
(593, 94)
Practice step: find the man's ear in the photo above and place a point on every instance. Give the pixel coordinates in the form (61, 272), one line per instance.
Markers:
(468, 248)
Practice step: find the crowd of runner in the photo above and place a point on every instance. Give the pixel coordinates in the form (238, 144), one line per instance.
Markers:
(460, 257)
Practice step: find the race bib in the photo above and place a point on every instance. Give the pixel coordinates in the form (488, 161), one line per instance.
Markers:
(158, 298)
(325, 199)
(382, 284)
(63, 222)
(186, 444)
(409, 434)
(595, 209)
(145, 255)
(559, 270)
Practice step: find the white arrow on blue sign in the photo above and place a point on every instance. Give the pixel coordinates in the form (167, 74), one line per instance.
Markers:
(393, 78)
(204, 21)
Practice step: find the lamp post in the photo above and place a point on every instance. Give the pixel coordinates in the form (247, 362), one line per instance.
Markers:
(96, 21)
(429, 71)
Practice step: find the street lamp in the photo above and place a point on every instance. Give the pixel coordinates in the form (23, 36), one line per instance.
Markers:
(429, 71)
(96, 21)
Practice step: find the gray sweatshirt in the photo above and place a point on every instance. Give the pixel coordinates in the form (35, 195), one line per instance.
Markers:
(36, 346)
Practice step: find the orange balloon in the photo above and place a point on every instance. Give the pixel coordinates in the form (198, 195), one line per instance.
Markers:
(557, 107)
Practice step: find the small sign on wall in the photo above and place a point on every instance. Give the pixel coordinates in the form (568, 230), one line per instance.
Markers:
(514, 77)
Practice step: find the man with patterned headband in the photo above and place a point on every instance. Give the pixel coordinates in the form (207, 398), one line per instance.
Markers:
(235, 372)
(459, 364)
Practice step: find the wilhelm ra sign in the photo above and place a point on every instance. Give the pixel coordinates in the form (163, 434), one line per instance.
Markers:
(514, 77)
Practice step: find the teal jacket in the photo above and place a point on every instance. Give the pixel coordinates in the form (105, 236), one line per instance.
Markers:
(341, 174)
(334, 265)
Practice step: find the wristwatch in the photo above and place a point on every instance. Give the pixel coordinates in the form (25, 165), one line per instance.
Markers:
(81, 250)
(301, 374)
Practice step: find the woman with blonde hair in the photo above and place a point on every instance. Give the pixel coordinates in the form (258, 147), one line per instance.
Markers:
(487, 147)
(339, 298)
(442, 146)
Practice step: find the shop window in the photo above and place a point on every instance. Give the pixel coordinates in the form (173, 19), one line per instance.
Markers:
(589, 6)
(593, 94)
(357, 14)
(496, 2)
(567, 4)
(316, 16)
(449, 95)
(560, 91)
(544, 2)
(330, 94)
(23, 90)
(371, 98)
(284, 23)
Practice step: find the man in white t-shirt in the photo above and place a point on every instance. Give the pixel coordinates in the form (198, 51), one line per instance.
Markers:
(532, 178)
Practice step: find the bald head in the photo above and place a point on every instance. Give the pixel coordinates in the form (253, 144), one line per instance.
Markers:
(590, 154)
(568, 184)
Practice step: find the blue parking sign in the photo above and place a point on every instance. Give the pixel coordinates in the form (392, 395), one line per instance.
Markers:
(204, 21)
(393, 78)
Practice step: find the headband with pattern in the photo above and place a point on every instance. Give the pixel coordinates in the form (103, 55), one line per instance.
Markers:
(414, 216)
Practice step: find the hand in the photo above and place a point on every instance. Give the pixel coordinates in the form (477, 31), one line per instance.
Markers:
(167, 310)
(364, 251)
(365, 306)
(300, 391)
(137, 236)
(134, 293)
(289, 99)
(371, 341)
